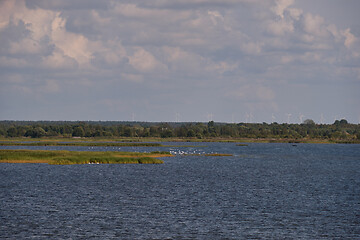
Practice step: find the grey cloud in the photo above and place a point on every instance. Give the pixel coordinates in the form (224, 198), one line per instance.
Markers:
(194, 4)
(14, 31)
(67, 4)
(139, 53)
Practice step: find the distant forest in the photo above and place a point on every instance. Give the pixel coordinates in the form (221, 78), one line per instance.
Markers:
(340, 130)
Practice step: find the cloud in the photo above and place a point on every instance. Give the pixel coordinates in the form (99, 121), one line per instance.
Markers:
(350, 39)
(58, 61)
(281, 27)
(73, 45)
(280, 7)
(241, 50)
(295, 13)
(67, 4)
(47, 31)
(182, 61)
(314, 25)
(224, 67)
(36, 20)
(144, 61)
(27, 46)
(195, 4)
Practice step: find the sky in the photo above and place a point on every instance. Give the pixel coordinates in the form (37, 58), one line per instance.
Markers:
(180, 61)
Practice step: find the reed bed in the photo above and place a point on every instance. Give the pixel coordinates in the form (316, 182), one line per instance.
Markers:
(83, 157)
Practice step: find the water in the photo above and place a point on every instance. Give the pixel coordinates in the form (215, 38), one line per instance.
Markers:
(264, 191)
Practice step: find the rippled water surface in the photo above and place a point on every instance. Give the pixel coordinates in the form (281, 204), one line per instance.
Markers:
(264, 191)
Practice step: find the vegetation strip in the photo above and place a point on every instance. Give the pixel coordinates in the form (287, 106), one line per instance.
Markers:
(218, 155)
(85, 157)
(81, 144)
(307, 132)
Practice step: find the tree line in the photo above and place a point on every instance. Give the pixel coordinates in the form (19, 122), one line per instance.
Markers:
(339, 130)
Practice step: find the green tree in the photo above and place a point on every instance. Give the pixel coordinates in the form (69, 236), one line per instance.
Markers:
(78, 132)
(166, 133)
(309, 122)
(190, 133)
(12, 132)
(343, 122)
(35, 132)
(128, 132)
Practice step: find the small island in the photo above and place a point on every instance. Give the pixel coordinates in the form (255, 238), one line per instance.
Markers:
(80, 157)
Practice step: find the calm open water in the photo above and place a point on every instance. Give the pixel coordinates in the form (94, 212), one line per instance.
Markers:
(264, 191)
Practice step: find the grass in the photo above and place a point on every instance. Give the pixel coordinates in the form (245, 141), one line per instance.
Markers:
(81, 144)
(73, 157)
(85, 143)
(151, 141)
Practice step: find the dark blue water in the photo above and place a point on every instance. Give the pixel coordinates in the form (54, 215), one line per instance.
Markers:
(265, 191)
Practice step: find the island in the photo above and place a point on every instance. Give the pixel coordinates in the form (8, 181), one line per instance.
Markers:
(80, 157)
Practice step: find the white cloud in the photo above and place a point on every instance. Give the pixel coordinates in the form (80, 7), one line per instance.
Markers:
(109, 54)
(350, 39)
(6, 9)
(47, 24)
(58, 60)
(334, 32)
(314, 25)
(103, 21)
(73, 45)
(144, 61)
(215, 17)
(37, 20)
(183, 61)
(210, 43)
(280, 27)
(295, 13)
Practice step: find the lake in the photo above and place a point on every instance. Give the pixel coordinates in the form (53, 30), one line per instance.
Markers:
(263, 191)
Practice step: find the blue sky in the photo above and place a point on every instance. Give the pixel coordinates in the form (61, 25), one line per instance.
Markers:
(189, 60)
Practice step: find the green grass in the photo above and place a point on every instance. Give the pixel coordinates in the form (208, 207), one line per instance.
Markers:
(73, 157)
(150, 141)
(81, 144)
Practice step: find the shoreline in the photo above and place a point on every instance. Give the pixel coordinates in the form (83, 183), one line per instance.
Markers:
(151, 141)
